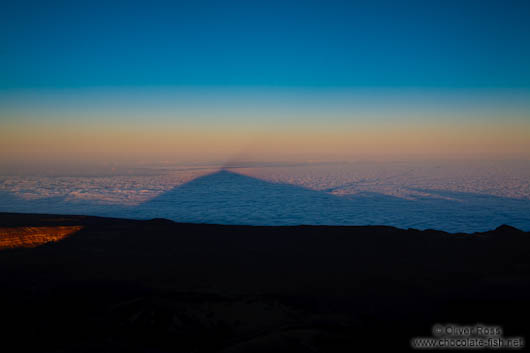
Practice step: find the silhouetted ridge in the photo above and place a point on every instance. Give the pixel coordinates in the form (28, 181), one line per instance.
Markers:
(507, 229)
(160, 221)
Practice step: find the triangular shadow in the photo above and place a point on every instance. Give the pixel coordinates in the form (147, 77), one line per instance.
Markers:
(227, 197)
(232, 198)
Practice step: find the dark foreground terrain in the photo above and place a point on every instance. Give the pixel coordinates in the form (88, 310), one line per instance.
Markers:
(158, 286)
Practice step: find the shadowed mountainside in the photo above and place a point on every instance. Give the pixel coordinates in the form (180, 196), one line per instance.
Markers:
(159, 286)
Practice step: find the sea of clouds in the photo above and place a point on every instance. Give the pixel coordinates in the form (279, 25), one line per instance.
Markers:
(456, 196)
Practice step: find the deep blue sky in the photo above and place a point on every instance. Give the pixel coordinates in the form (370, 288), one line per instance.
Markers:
(452, 44)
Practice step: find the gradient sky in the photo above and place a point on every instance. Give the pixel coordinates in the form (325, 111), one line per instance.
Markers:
(217, 80)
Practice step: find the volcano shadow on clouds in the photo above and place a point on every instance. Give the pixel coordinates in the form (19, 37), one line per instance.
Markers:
(232, 198)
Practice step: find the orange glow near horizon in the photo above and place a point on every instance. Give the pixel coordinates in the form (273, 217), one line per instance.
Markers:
(155, 142)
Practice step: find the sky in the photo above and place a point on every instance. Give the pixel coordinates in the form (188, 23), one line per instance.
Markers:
(137, 82)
